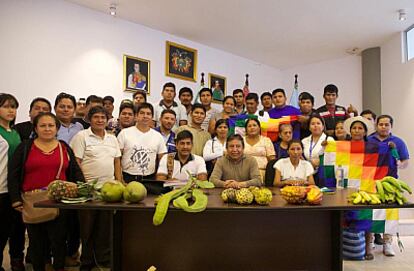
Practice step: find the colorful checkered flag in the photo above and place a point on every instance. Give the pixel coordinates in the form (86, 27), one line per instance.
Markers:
(294, 99)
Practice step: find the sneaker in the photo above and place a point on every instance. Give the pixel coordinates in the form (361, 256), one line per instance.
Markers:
(388, 250)
(17, 265)
(369, 256)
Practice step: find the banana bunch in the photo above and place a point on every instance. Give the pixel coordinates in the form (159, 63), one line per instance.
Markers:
(362, 197)
(390, 190)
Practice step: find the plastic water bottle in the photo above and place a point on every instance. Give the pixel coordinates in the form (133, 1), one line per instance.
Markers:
(339, 174)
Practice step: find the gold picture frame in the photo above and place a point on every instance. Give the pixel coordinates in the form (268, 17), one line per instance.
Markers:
(136, 74)
(181, 62)
(217, 84)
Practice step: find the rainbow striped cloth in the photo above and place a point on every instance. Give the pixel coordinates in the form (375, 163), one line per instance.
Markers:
(270, 128)
(362, 162)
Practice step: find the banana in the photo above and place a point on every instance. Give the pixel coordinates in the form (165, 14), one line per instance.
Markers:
(357, 199)
(388, 187)
(380, 190)
(398, 194)
(404, 199)
(394, 182)
(352, 196)
(365, 196)
(405, 186)
(375, 199)
(400, 202)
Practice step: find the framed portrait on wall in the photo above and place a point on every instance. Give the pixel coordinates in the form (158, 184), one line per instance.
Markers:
(181, 62)
(217, 84)
(136, 74)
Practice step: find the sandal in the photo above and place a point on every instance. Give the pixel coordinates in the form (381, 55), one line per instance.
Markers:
(369, 256)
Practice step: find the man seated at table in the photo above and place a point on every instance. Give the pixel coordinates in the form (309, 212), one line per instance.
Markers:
(236, 169)
(174, 166)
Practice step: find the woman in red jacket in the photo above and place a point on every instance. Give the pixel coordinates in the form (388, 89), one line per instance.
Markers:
(34, 165)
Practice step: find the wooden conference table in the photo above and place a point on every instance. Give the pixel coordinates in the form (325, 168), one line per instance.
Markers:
(228, 236)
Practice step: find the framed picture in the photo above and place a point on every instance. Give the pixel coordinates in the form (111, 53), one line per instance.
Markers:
(181, 62)
(217, 84)
(136, 74)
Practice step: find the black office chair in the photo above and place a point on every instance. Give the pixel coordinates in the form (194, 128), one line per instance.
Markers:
(270, 173)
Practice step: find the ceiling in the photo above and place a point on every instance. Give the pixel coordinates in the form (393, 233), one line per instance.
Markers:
(279, 33)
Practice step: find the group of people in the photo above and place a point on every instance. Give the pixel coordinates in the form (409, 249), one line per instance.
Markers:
(83, 141)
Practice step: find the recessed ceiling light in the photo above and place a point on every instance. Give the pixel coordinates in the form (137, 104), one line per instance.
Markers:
(402, 14)
(112, 10)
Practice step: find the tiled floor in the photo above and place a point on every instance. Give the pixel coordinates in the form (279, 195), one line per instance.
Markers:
(403, 261)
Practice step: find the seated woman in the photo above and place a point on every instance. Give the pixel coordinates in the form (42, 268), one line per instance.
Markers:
(235, 169)
(293, 170)
(216, 147)
(314, 145)
(281, 145)
(258, 146)
(229, 104)
(34, 165)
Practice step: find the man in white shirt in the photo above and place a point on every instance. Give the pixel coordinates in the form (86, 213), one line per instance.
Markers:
(141, 147)
(167, 102)
(186, 97)
(99, 157)
(174, 166)
(206, 96)
(252, 104)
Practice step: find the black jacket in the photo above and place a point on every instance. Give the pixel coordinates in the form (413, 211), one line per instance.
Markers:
(15, 175)
(24, 129)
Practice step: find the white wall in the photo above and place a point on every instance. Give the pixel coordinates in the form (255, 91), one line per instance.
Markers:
(397, 79)
(345, 73)
(51, 46)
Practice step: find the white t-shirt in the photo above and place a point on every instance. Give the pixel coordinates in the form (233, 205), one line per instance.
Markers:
(97, 154)
(195, 165)
(288, 172)
(264, 118)
(140, 150)
(209, 114)
(213, 149)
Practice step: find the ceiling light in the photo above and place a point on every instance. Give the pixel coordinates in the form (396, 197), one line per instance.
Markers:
(402, 14)
(354, 51)
(112, 10)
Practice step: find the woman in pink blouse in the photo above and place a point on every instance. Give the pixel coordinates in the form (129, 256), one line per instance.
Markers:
(258, 146)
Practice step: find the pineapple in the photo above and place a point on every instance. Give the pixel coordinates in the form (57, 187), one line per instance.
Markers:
(244, 196)
(71, 190)
(229, 195)
(56, 189)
